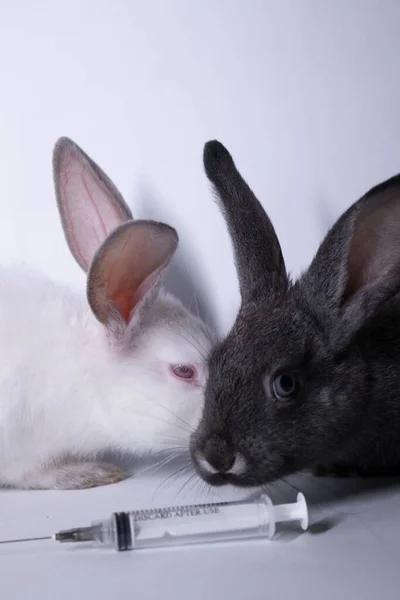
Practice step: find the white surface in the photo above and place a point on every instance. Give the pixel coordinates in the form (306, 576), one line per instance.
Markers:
(306, 95)
(350, 550)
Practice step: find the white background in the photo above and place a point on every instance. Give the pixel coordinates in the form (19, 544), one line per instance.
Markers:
(304, 93)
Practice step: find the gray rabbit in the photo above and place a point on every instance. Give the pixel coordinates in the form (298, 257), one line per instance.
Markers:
(309, 375)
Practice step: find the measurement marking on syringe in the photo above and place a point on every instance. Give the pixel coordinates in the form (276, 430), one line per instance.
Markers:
(152, 514)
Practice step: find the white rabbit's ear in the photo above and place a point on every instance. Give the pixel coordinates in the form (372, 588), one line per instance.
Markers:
(90, 205)
(127, 270)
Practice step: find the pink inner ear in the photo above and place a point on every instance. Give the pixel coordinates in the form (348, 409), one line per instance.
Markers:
(127, 268)
(89, 204)
(83, 219)
(143, 290)
(375, 245)
(125, 297)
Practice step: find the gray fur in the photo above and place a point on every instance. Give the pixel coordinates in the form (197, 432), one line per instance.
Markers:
(259, 265)
(337, 327)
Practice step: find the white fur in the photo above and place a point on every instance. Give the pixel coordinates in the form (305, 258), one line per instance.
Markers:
(66, 393)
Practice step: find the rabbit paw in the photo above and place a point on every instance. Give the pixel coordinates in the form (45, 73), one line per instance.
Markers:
(87, 475)
(75, 476)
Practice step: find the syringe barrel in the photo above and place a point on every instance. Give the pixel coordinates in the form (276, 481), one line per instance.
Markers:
(193, 524)
(202, 524)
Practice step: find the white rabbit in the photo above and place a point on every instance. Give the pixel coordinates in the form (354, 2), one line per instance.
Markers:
(122, 370)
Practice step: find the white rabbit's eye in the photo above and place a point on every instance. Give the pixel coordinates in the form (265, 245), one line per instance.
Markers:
(285, 386)
(183, 371)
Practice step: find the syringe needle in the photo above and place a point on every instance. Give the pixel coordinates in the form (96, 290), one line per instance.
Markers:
(34, 539)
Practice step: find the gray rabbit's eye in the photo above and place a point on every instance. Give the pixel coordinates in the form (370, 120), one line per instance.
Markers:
(285, 386)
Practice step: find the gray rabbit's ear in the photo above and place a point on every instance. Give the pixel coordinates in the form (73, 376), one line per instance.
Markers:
(357, 267)
(258, 256)
(90, 205)
(127, 269)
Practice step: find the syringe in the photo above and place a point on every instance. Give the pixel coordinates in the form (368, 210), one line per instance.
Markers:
(193, 524)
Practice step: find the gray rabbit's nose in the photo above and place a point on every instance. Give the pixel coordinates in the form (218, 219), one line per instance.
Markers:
(216, 456)
(219, 454)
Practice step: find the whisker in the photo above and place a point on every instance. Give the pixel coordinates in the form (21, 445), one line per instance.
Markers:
(286, 482)
(198, 312)
(193, 486)
(185, 484)
(158, 465)
(197, 340)
(190, 428)
(150, 416)
(206, 327)
(196, 487)
(209, 491)
(197, 346)
(176, 473)
(169, 449)
(172, 414)
(318, 504)
(201, 488)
